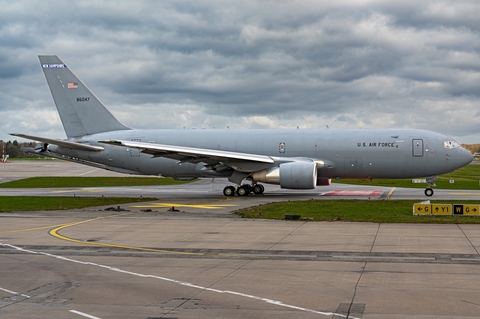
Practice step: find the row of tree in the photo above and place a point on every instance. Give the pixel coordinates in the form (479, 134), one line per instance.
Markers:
(14, 149)
(474, 148)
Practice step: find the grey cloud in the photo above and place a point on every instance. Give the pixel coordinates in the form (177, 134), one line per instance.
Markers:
(346, 63)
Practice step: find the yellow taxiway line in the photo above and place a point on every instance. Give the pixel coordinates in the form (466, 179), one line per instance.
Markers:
(54, 233)
(204, 206)
(29, 229)
(390, 193)
(79, 191)
(56, 228)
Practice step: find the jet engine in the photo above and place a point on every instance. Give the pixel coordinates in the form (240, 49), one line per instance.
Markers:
(293, 175)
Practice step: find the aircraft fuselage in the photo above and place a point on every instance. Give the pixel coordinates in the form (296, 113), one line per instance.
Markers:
(362, 153)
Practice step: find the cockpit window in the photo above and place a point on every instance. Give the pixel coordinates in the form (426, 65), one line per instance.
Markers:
(450, 144)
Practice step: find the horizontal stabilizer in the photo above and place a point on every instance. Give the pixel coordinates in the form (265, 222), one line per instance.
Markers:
(67, 144)
(79, 161)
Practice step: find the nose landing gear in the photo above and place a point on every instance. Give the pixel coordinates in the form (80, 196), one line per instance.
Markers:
(428, 191)
(430, 183)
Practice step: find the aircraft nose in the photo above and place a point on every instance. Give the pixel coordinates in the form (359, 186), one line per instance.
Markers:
(466, 157)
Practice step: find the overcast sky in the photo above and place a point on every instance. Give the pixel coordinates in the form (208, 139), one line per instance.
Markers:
(249, 64)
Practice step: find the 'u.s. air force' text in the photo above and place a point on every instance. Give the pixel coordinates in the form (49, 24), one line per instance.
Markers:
(375, 144)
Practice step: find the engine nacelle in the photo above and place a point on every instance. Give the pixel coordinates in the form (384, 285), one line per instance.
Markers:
(293, 175)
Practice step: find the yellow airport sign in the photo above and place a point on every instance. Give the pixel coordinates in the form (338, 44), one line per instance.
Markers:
(446, 209)
(441, 209)
(432, 209)
(467, 210)
(422, 209)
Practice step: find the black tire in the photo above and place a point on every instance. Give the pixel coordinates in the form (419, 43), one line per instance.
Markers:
(258, 189)
(243, 190)
(428, 192)
(229, 191)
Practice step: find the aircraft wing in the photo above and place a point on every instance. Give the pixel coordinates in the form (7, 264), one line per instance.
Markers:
(192, 154)
(67, 144)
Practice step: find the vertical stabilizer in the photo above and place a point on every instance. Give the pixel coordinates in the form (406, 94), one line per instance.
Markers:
(81, 112)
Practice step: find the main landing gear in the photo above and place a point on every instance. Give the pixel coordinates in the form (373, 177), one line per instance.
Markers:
(243, 190)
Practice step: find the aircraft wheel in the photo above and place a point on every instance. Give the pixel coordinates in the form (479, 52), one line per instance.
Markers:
(258, 189)
(243, 190)
(229, 191)
(428, 192)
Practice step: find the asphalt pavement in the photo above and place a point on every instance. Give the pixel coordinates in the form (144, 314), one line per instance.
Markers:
(202, 261)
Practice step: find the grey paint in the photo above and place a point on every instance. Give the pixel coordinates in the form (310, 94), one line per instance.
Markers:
(372, 153)
(79, 117)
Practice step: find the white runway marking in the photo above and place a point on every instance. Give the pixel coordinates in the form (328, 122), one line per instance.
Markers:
(83, 314)
(93, 170)
(182, 283)
(14, 293)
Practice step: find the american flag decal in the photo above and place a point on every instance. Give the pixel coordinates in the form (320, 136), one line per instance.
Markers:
(72, 85)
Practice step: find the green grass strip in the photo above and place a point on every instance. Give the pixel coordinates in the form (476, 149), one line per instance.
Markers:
(54, 182)
(356, 211)
(467, 177)
(29, 203)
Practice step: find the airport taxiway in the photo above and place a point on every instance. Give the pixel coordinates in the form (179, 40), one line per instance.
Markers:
(204, 262)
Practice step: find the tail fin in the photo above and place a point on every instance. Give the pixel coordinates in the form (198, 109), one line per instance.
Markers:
(81, 112)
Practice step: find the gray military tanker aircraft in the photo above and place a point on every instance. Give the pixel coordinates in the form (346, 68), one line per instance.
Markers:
(293, 159)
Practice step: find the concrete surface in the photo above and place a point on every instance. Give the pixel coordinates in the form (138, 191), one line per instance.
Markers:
(203, 262)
